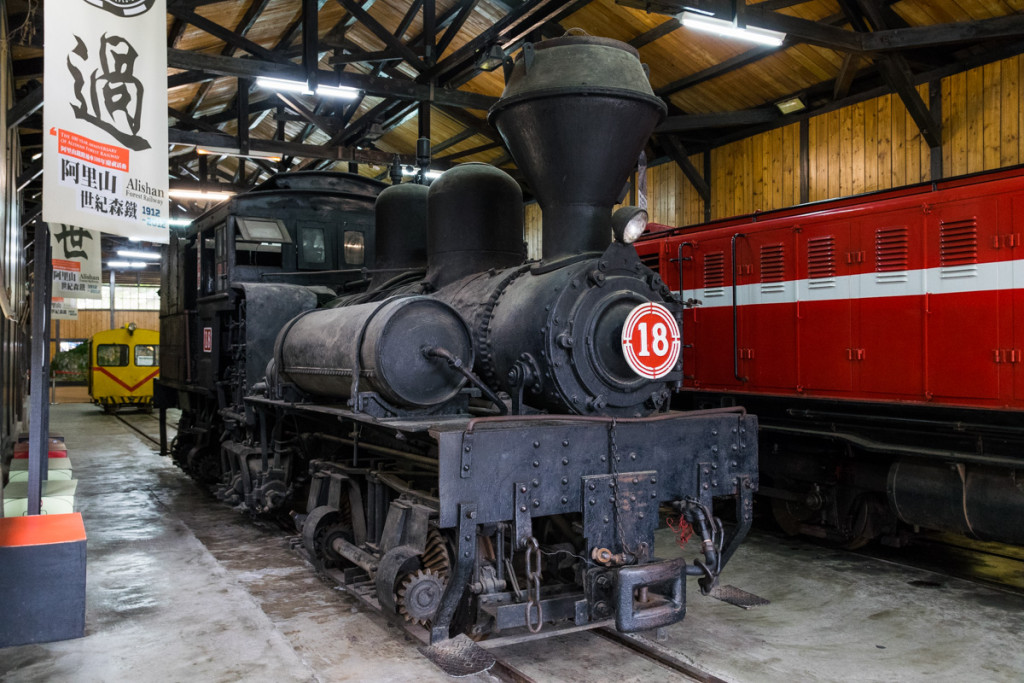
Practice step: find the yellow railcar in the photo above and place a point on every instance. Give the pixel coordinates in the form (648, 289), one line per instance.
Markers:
(122, 366)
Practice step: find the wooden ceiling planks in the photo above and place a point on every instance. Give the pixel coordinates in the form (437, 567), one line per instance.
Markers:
(679, 58)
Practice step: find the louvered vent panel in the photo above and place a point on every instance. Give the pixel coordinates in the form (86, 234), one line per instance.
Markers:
(652, 261)
(773, 268)
(958, 242)
(714, 274)
(892, 249)
(821, 257)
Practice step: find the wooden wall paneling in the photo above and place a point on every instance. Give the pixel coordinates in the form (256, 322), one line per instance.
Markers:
(914, 142)
(532, 229)
(93, 320)
(773, 168)
(885, 152)
(870, 146)
(755, 179)
(1020, 109)
(790, 165)
(845, 170)
(834, 177)
(959, 122)
(858, 140)
(975, 122)
(1009, 107)
(814, 145)
(991, 114)
(899, 141)
(812, 157)
(948, 125)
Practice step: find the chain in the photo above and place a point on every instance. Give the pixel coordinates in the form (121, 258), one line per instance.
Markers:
(533, 557)
(613, 454)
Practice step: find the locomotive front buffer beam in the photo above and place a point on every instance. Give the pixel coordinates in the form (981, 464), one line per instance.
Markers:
(610, 477)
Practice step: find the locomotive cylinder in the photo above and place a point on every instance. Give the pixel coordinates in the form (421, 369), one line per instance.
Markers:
(575, 113)
(382, 347)
(476, 223)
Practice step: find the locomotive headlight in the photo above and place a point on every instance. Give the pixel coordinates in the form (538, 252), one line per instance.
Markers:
(628, 223)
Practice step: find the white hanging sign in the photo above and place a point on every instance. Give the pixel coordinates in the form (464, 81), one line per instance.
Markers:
(63, 309)
(105, 116)
(76, 258)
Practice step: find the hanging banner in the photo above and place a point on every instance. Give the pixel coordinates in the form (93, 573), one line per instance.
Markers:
(105, 119)
(77, 262)
(63, 309)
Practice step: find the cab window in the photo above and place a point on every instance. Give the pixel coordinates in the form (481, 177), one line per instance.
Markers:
(112, 355)
(147, 355)
(313, 253)
(355, 248)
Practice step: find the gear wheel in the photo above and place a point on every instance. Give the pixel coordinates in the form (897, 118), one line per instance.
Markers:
(435, 556)
(420, 596)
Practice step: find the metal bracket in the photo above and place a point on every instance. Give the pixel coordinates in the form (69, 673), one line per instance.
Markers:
(523, 520)
(458, 579)
(706, 482)
(466, 464)
(614, 505)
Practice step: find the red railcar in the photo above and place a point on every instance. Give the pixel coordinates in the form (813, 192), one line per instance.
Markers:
(880, 340)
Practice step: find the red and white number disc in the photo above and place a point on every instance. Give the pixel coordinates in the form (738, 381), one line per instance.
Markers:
(650, 340)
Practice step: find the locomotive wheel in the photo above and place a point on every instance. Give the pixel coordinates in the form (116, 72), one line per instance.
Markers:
(790, 515)
(864, 528)
(319, 530)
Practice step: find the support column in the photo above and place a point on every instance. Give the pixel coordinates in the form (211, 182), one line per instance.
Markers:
(39, 410)
(112, 326)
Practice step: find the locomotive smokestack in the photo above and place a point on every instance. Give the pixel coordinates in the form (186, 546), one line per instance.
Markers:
(575, 114)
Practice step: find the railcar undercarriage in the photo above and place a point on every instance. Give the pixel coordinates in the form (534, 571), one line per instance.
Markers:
(494, 525)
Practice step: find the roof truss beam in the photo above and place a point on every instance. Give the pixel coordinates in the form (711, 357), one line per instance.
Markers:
(383, 34)
(383, 87)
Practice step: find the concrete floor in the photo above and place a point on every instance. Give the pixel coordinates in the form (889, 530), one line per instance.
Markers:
(182, 589)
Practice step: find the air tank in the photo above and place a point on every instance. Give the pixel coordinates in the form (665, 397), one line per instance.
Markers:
(382, 346)
(575, 114)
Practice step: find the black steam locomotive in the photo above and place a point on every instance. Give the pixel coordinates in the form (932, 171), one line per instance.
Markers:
(457, 430)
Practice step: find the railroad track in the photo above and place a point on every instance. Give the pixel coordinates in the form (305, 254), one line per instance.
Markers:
(633, 645)
(147, 425)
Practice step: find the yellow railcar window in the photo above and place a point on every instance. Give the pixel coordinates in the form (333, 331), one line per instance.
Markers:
(147, 355)
(112, 355)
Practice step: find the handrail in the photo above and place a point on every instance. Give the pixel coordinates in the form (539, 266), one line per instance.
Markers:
(735, 317)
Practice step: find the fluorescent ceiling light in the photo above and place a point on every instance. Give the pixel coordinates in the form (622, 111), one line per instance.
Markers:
(728, 29)
(227, 151)
(200, 195)
(129, 253)
(126, 264)
(285, 85)
(413, 171)
(179, 221)
(791, 106)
